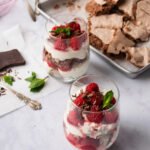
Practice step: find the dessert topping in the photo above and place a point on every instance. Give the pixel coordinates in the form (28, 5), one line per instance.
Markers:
(9, 79)
(36, 84)
(95, 102)
(66, 31)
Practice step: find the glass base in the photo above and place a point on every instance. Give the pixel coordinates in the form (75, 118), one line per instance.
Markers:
(57, 76)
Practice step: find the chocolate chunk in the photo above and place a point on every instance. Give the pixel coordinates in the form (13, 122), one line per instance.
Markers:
(11, 58)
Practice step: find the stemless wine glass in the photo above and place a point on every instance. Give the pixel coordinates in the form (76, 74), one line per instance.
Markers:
(86, 135)
(67, 58)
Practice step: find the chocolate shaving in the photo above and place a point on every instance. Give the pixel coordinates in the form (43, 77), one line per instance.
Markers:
(2, 91)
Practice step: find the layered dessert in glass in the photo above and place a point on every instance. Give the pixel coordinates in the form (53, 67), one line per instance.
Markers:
(66, 50)
(91, 120)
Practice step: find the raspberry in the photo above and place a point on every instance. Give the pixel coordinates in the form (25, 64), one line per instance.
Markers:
(73, 139)
(88, 147)
(95, 108)
(96, 99)
(51, 64)
(75, 43)
(111, 117)
(75, 117)
(79, 101)
(113, 101)
(60, 45)
(65, 68)
(74, 26)
(87, 142)
(54, 28)
(92, 87)
(95, 115)
(65, 65)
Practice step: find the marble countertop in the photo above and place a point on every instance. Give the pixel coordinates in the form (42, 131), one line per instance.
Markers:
(25, 129)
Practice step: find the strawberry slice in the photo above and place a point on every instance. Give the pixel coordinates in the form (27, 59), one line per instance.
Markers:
(60, 44)
(75, 117)
(92, 87)
(95, 116)
(75, 43)
(111, 116)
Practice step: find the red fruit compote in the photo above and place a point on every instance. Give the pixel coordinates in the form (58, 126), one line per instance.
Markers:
(66, 50)
(91, 121)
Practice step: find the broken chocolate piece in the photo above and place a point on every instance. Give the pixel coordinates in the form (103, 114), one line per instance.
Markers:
(11, 58)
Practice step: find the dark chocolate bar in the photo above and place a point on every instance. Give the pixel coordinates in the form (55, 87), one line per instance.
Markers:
(11, 58)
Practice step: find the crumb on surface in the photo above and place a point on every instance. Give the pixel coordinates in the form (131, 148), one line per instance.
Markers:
(56, 6)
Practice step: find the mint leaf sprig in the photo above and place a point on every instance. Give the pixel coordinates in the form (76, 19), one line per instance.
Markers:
(36, 84)
(9, 79)
(66, 31)
(107, 99)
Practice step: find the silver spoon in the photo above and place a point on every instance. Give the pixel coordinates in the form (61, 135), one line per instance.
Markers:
(34, 104)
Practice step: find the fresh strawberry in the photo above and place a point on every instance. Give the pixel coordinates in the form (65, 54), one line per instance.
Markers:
(73, 139)
(75, 43)
(74, 26)
(111, 116)
(75, 117)
(95, 116)
(79, 101)
(60, 44)
(92, 87)
(51, 64)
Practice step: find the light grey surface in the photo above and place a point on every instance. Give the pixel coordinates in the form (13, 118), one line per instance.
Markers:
(29, 130)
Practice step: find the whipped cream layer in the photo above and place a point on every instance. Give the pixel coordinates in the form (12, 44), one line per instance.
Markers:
(69, 53)
(75, 71)
(93, 130)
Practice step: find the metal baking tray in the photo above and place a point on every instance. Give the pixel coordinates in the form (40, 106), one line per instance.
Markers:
(59, 11)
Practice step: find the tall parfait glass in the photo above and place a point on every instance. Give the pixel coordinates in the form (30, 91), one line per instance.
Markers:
(91, 130)
(66, 50)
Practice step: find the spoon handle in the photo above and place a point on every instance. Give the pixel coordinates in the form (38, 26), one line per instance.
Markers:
(34, 104)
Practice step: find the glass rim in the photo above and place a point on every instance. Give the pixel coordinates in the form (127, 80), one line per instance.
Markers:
(78, 36)
(55, 23)
(102, 111)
